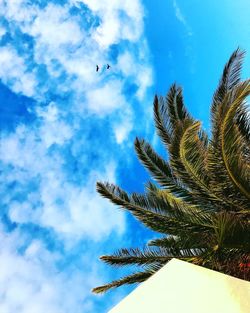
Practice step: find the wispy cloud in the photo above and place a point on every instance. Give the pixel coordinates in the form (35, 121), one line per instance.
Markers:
(180, 16)
(188, 36)
(30, 281)
(13, 72)
(80, 121)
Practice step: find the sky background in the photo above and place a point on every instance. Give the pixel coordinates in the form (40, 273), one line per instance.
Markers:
(64, 127)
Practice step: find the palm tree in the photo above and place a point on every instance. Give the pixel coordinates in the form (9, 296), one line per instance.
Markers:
(201, 195)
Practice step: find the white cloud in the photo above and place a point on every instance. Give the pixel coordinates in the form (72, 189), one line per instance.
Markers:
(82, 209)
(13, 72)
(120, 20)
(65, 47)
(81, 120)
(70, 210)
(31, 283)
(122, 130)
(37, 152)
(2, 31)
(54, 27)
(144, 80)
(54, 130)
(123, 126)
(179, 15)
(18, 11)
(105, 99)
(127, 63)
(135, 69)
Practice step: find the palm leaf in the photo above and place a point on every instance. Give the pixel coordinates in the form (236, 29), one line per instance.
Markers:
(230, 78)
(138, 257)
(238, 172)
(161, 121)
(127, 280)
(155, 221)
(176, 108)
(200, 201)
(159, 168)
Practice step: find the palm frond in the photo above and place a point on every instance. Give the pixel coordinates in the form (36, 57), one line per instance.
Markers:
(177, 208)
(188, 153)
(155, 221)
(176, 108)
(200, 198)
(156, 213)
(137, 256)
(161, 121)
(230, 78)
(243, 123)
(169, 112)
(232, 231)
(170, 194)
(226, 144)
(196, 245)
(237, 170)
(193, 156)
(159, 168)
(127, 280)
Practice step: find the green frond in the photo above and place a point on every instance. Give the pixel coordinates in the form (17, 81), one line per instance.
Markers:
(174, 151)
(176, 192)
(176, 109)
(159, 168)
(169, 113)
(227, 143)
(232, 231)
(193, 244)
(192, 215)
(161, 121)
(157, 213)
(230, 78)
(236, 168)
(137, 256)
(193, 156)
(194, 218)
(155, 221)
(243, 123)
(223, 223)
(188, 153)
(166, 241)
(127, 280)
(180, 121)
(166, 194)
(220, 183)
(200, 201)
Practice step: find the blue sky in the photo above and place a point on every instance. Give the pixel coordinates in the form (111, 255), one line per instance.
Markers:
(64, 127)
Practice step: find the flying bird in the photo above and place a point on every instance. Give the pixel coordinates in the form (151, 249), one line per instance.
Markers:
(97, 68)
(108, 66)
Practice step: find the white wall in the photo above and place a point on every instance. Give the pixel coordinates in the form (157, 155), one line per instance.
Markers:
(181, 287)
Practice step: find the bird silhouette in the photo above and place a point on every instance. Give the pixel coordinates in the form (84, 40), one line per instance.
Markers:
(97, 68)
(108, 66)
